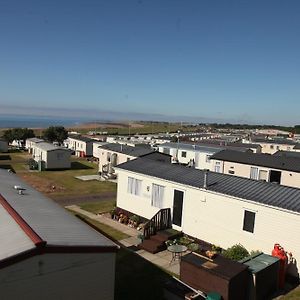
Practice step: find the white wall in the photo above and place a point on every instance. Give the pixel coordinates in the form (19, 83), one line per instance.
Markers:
(60, 276)
(3, 146)
(121, 157)
(216, 218)
(55, 159)
(288, 178)
(81, 146)
(271, 148)
(58, 159)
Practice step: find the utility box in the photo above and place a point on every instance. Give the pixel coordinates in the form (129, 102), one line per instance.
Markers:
(264, 270)
(220, 275)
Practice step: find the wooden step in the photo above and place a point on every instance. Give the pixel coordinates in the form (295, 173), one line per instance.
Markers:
(159, 238)
(170, 234)
(152, 246)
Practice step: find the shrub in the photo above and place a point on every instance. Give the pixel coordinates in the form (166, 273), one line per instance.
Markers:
(135, 218)
(193, 247)
(236, 252)
(216, 248)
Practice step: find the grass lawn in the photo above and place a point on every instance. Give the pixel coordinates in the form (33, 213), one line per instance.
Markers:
(64, 181)
(103, 228)
(15, 161)
(136, 278)
(99, 207)
(293, 295)
(67, 184)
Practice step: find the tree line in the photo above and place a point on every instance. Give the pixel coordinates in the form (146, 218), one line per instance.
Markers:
(51, 134)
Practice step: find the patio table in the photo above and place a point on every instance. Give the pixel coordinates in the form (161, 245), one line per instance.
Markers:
(176, 251)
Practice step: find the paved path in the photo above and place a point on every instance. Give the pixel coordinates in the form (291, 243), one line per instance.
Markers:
(161, 259)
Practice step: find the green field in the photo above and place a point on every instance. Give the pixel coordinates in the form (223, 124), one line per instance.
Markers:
(58, 183)
(103, 228)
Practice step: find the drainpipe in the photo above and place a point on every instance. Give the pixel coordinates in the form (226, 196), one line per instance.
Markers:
(205, 180)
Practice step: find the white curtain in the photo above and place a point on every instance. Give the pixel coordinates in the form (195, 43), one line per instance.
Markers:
(254, 173)
(157, 195)
(134, 186)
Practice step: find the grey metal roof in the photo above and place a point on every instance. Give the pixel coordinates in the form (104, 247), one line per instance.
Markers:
(228, 145)
(129, 150)
(13, 239)
(288, 154)
(273, 141)
(48, 146)
(261, 192)
(191, 147)
(81, 138)
(51, 222)
(297, 146)
(35, 140)
(260, 159)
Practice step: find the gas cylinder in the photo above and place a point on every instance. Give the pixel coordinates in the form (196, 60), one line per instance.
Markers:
(279, 252)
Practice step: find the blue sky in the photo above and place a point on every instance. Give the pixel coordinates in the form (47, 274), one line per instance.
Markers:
(223, 60)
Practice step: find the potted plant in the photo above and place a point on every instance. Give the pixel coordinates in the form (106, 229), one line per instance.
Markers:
(135, 220)
(113, 213)
(140, 238)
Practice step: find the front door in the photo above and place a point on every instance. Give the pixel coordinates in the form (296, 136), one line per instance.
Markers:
(275, 176)
(177, 207)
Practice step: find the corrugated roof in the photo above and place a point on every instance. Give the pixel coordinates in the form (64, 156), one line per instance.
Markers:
(288, 154)
(81, 138)
(129, 150)
(260, 159)
(274, 141)
(52, 223)
(262, 192)
(13, 239)
(192, 147)
(35, 140)
(48, 146)
(297, 146)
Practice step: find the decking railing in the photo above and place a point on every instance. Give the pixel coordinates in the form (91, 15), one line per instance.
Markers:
(160, 221)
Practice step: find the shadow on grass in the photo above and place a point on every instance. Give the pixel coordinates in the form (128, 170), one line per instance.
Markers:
(136, 278)
(7, 167)
(5, 157)
(75, 165)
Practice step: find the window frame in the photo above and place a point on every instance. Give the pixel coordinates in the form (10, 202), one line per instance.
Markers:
(249, 221)
(134, 186)
(161, 191)
(257, 173)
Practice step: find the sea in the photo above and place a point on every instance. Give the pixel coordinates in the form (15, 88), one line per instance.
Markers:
(13, 121)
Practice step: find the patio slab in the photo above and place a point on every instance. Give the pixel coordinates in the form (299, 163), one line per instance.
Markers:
(161, 259)
(88, 177)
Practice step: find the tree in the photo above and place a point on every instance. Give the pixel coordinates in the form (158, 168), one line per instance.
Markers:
(55, 134)
(19, 134)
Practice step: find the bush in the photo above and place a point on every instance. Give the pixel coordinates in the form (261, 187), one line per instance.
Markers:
(236, 252)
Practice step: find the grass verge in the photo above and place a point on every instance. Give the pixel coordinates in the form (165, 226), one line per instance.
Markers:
(103, 228)
(99, 207)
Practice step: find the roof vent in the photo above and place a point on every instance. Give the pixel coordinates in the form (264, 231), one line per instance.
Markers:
(19, 188)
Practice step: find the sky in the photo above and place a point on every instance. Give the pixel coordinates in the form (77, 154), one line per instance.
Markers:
(236, 61)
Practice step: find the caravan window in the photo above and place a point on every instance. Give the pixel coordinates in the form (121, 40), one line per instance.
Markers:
(134, 186)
